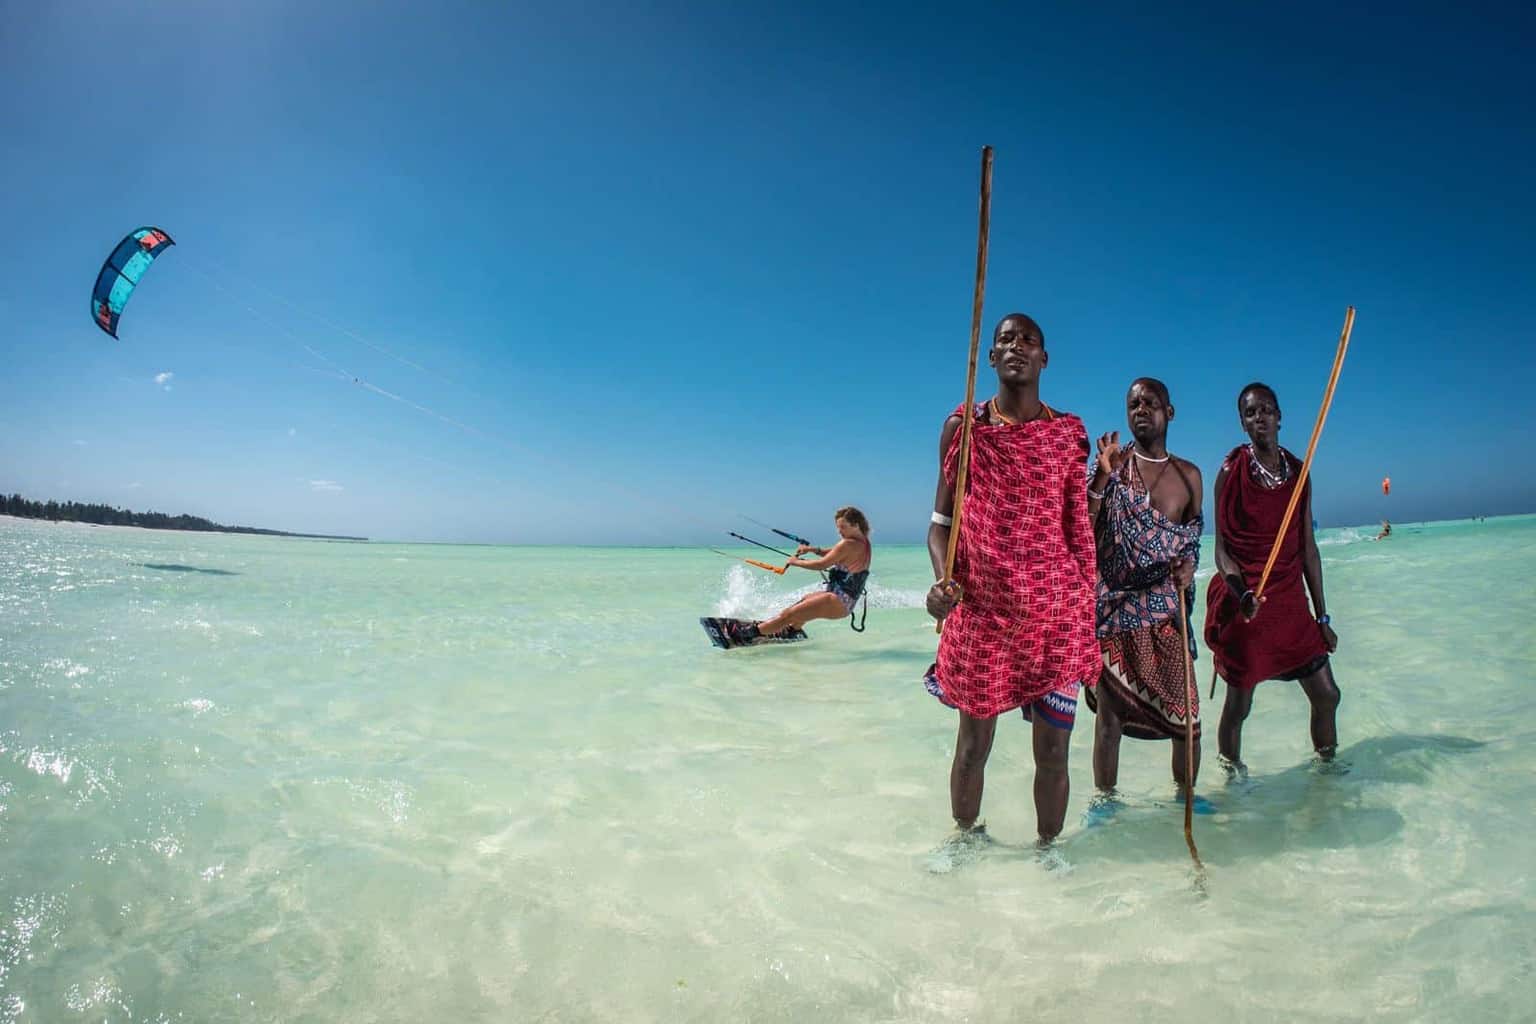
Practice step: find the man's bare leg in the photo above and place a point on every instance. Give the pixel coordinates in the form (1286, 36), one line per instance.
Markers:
(1323, 692)
(1051, 782)
(1229, 733)
(973, 744)
(1107, 730)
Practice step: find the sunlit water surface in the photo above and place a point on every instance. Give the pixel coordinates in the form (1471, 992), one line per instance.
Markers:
(257, 779)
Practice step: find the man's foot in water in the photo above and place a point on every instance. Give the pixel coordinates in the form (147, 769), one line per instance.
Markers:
(961, 847)
(1235, 771)
(1102, 808)
(1050, 857)
(1324, 762)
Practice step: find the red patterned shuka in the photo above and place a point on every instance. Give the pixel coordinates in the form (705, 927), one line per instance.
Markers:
(1025, 627)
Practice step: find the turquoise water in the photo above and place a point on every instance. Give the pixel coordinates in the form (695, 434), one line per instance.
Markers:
(257, 779)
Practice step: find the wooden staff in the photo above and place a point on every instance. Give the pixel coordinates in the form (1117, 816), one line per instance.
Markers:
(1306, 465)
(963, 471)
(1189, 738)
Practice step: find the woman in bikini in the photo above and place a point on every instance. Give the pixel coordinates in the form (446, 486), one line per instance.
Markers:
(847, 566)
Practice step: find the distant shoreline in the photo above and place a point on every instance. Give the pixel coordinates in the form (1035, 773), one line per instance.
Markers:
(1405, 526)
(230, 531)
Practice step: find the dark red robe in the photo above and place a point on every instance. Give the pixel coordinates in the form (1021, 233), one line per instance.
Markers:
(1285, 636)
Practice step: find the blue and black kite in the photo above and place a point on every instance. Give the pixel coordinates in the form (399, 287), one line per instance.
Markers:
(121, 272)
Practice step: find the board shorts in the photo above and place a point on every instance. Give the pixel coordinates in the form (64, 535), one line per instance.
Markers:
(1057, 709)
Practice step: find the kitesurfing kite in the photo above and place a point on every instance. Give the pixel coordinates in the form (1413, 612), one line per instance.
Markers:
(1386, 485)
(121, 272)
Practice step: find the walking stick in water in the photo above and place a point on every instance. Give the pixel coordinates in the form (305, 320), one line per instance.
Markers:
(1306, 465)
(1189, 738)
(963, 469)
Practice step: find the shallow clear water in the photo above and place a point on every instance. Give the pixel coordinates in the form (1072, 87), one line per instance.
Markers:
(255, 779)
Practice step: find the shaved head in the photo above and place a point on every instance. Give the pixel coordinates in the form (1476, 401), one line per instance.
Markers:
(1260, 387)
(1020, 321)
(1156, 386)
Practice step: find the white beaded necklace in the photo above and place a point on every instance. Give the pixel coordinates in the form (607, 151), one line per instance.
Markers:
(1268, 476)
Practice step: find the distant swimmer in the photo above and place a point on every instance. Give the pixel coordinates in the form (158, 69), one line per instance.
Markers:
(1278, 638)
(1386, 531)
(1018, 615)
(1145, 504)
(847, 564)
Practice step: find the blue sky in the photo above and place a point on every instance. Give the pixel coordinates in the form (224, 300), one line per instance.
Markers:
(637, 269)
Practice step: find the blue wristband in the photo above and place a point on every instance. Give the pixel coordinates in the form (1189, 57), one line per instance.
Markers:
(1324, 619)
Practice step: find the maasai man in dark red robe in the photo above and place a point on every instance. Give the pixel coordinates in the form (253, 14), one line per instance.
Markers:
(1279, 637)
(1018, 618)
(1145, 504)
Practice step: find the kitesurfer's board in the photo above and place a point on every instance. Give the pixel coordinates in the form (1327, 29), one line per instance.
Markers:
(725, 634)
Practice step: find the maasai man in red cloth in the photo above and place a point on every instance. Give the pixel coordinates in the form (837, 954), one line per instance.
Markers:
(1145, 505)
(1278, 636)
(1018, 616)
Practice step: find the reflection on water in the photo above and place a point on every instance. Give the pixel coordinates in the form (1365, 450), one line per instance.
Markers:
(171, 567)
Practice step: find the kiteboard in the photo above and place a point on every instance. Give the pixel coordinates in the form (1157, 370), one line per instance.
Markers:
(727, 634)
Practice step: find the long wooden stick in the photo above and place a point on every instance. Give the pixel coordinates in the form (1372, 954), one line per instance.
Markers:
(963, 470)
(1306, 466)
(1189, 737)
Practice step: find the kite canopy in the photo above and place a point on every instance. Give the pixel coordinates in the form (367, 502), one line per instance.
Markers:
(121, 272)
(1386, 485)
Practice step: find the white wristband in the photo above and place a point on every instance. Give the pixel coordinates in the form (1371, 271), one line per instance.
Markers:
(942, 519)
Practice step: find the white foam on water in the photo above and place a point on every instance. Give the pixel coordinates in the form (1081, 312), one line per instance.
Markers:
(67, 668)
(895, 597)
(756, 594)
(1344, 535)
(50, 763)
(97, 993)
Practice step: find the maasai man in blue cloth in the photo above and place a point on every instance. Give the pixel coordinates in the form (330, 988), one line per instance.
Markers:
(1145, 505)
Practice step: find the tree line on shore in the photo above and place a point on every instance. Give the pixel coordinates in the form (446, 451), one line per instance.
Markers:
(110, 515)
